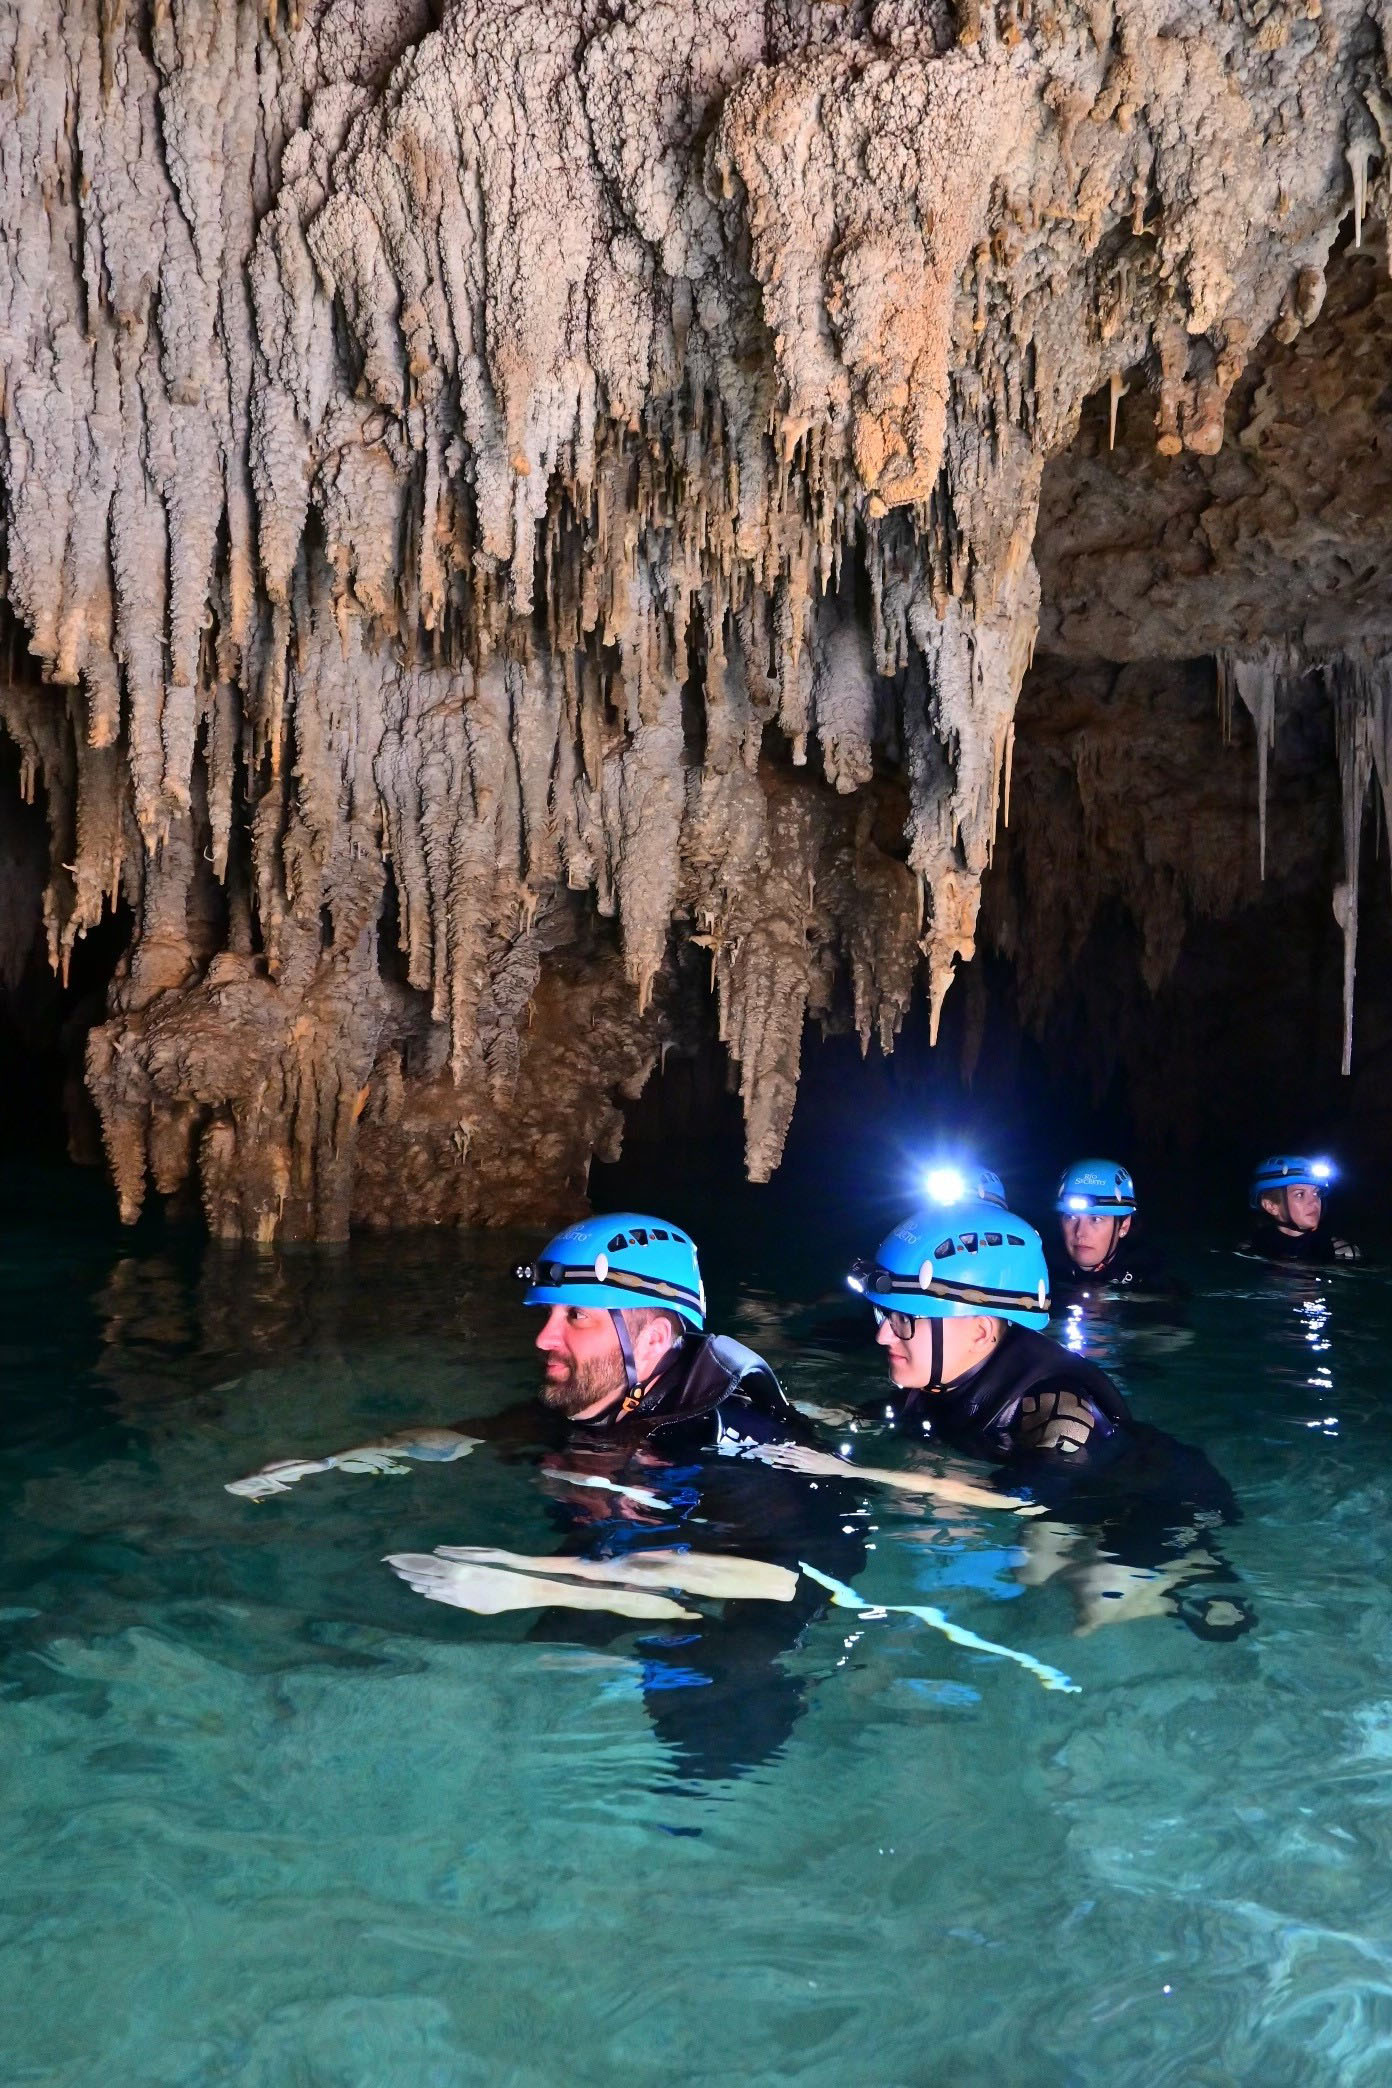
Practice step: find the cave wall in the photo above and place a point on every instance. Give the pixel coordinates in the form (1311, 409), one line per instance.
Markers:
(507, 509)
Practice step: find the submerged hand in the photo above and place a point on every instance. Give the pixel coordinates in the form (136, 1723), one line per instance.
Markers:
(800, 1457)
(371, 1458)
(275, 1478)
(797, 1457)
(425, 1445)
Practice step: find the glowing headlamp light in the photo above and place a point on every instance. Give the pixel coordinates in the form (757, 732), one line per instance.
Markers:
(1077, 1203)
(945, 1185)
(855, 1283)
(1322, 1170)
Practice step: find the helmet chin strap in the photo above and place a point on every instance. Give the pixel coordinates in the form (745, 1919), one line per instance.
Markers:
(935, 1354)
(630, 1362)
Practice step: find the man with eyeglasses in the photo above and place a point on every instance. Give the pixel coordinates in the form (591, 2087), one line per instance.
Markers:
(961, 1298)
(646, 1437)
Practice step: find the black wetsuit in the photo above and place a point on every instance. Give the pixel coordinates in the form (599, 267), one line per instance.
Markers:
(1031, 1403)
(1131, 1267)
(714, 1689)
(1059, 1429)
(1317, 1249)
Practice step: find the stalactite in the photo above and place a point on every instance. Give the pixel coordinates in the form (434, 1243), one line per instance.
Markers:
(1256, 680)
(1362, 691)
(444, 447)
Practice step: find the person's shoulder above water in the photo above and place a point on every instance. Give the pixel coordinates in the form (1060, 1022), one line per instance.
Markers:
(1317, 1248)
(1035, 1398)
(713, 1376)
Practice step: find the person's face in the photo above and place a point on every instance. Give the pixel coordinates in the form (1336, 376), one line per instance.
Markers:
(1091, 1240)
(584, 1363)
(965, 1343)
(1303, 1208)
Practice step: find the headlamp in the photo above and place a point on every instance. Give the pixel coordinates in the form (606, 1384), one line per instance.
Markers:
(1322, 1170)
(945, 1185)
(1077, 1203)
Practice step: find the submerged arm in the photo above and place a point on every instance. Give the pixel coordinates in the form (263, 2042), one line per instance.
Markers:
(956, 1493)
(424, 1445)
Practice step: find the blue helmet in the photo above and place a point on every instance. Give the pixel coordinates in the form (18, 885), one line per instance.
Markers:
(955, 1262)
(953, 1185)
(1290, 1171)
(1095, 1189)
(622, 1262)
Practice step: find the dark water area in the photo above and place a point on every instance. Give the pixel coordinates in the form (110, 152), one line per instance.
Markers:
(271, 1818)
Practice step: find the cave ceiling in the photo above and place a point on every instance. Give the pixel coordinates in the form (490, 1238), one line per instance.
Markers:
(504, 506)
(1284, 535)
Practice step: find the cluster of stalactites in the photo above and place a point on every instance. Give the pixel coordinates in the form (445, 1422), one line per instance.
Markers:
(748, 336)
(1360, 688)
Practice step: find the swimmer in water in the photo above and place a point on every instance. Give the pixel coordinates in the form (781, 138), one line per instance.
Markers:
(627, 1366)
(961, 1298)
(1098, 1250)
(1287, 1194)
(646, 1434)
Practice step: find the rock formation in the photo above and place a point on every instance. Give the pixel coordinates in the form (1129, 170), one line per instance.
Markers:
(495, 500)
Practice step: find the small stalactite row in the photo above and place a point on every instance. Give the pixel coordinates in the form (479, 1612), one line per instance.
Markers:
(1359, 683)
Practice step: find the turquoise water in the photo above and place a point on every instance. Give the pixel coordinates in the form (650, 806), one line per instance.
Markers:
(269, 1818)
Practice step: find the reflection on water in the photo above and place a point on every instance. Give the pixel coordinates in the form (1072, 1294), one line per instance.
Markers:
(272, 1819)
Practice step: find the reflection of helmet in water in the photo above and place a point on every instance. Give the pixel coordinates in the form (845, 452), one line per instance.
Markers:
(617, 1264)
(954, 1185)
(1095, 1189)
(1290, 1171)
(973, 1258)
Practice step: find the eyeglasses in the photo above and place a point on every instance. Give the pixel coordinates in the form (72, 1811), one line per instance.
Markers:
(901, 1324)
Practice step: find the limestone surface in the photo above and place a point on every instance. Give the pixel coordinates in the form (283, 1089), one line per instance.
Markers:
(490, 495)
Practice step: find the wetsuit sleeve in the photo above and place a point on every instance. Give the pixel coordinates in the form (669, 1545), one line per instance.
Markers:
(1056, 1421)
(1061, 1438)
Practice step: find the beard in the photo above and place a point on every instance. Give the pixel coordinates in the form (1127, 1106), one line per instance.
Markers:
(583, 1385)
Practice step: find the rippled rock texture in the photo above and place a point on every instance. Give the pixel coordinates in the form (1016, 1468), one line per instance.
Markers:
(507, 510)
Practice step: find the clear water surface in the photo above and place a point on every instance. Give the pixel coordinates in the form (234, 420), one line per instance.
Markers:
(271, 1819)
